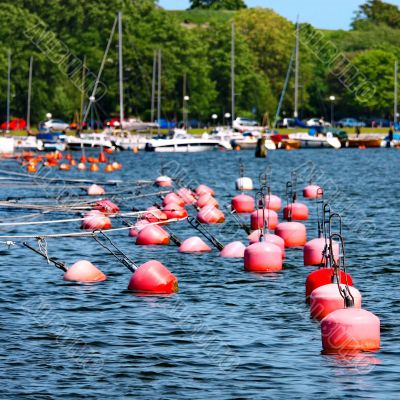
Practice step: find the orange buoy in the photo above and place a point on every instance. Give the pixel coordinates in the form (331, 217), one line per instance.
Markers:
(108, 150)
(173, 198)
(273, 202)
(154, 214)
(83, 159)
(153, 277)
(109, 168)
(243, 203)
(95, 219)
(94, 167)
(324, 276)
(81, 166)
(116, 166)
(163, 181)
(172, 210)
(95, 190)
(258, 217)
(313, 192)
(210, 215)
(263, 257)
(31, 168)
(84, 271)
(233, 250)
(102, 157)
(152, 235)
(187, 195)
(68, 156)
(243, 184)
(350, 329)
(107, 207)
(327, 299)
(313, 252)
(293, 233)
(72, 162)
(296, 211)
(204, 189)
(206, 200)
(194, 245)
(64, 167)
(58, 155)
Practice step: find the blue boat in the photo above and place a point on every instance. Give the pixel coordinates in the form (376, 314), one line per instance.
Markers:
(53, 140)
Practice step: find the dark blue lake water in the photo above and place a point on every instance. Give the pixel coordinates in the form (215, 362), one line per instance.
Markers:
(227, 334)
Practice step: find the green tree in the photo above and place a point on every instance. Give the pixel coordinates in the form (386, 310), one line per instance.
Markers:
(218, 4)
(378, 12)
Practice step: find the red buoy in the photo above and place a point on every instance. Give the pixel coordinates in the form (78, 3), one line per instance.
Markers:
(95, 219)
(163, 181)
(194, 245)
(243, 203)
(107, 207)
(173, 198)
(95, 190)
(273, 202)
(233, 250)
(206, 200)
(350, 329)
(313, 252)
(102, 158)
(327, 299)
(210, 215)
(263, 257)
(83, 159)
(293, 233)
(153, 277)
(297, 211)
(84, 271)
(152, 235)
(257, 220)
(324, 276)
(313, 192)
(173, 210)
(254, 237)
(204, 189)
(134, 231)
(154, 214)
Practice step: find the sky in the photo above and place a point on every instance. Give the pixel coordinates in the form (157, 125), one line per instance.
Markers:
(324, 14)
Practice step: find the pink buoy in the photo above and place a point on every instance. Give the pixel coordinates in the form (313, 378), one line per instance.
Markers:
(233, 250)
(254, 237)
(299, 212)
(107, 207)
(263, 257)
(243, 203)
(152, 235)
(134, 231)
(210, 215)
(84, 271)
(324, 276)
(313, 192)
(153, 277)
(173, 198)
(327, 299)
(194, 245)
(350, 329)
(204, 189)
(163, 181)
(273, 202)
(95, 190)
(256, 219)
(313, 252)
(293, 233)
(173, 211)
(154, 214)
(206, 200)
(95, 219)
(187, 195)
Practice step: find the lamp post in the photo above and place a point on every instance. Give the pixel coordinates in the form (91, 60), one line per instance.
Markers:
(332, 99)
(185, 111)
(227, 116)
(214, 118)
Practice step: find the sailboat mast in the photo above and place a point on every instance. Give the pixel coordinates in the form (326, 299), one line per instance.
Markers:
(8, 90)
(28, 109)
(80, 119)
(396, 78)
(159, 91)
(121, 77)
(184, 114)
(153, 85)
(233, 73)
(296, 74)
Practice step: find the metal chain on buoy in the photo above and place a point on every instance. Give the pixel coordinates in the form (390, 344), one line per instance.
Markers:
(294, 186)
(241, 168)
(196, 224)
(289, 195)
(42, 244)
(345, 293)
